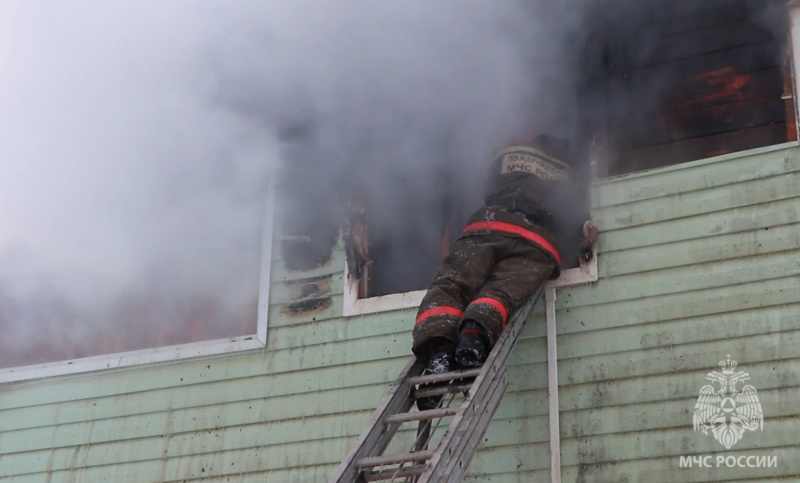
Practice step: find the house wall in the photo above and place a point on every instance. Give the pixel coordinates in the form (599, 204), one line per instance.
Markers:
(695, 261)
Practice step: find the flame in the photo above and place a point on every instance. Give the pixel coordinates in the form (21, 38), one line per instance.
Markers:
(718, 86)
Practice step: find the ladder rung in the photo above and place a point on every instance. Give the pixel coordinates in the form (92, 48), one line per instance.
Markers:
(447, 376)
(392, 474)
(438, 391)
(420, 415)
(393, 459)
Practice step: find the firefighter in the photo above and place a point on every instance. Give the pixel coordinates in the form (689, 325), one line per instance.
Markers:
(505, 253)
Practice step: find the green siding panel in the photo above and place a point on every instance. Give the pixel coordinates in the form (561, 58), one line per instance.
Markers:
(747, 218)
(666, 414)
(695, 262)
(665, 387)
(679, 280)
(690, 357)
(684, 204)
(700, 250)
(684, 305)
(698, 175)
(667, 334)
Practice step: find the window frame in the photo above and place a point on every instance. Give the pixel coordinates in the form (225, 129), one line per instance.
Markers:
(173, 353)
(353, 306)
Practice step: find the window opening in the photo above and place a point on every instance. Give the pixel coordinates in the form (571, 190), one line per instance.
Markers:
(669, 82)
(402, 254)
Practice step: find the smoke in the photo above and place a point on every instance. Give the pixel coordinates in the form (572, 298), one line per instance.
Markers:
(123, 187)
(137, 140)
(403, 104)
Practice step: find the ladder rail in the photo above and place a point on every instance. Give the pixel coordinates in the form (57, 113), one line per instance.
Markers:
(376, 435)
(472, 435)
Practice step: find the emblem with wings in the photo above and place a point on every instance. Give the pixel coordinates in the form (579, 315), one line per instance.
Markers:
(728, 412)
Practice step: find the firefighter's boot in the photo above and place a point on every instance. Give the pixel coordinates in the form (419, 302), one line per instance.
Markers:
(473, 345)
(441, 361)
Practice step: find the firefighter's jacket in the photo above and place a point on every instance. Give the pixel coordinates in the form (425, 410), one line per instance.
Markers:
(505, 253)
(530, 190)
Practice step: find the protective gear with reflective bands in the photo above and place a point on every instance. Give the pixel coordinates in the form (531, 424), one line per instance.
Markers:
(507, 249)
(485, 279)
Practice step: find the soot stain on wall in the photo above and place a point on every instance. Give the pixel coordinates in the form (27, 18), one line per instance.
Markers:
(307, 307)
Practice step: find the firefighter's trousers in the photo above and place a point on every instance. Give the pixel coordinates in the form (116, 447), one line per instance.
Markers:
(486, 278)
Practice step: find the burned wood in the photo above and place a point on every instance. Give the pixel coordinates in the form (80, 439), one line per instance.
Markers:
(746, 58)
(721, 86)
(702, 16)
(667, 154)
(355, 235)
(788, 97)
(666, 127)
(700, 42)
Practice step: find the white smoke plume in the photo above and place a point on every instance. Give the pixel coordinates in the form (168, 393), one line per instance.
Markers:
(137, 140)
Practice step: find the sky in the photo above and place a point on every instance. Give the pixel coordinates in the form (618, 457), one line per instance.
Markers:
(137, 138)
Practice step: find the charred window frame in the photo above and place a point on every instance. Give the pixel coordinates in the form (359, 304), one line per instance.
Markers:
(378, 252)
(390, 262)
(671, 82)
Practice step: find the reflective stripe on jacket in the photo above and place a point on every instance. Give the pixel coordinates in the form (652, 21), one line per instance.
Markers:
(496, 220)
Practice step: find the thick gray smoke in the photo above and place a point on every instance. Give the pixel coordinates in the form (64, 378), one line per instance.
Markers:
(137, 139)
(402, 103)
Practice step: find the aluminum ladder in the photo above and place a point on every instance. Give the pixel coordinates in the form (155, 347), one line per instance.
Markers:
(483, 389)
